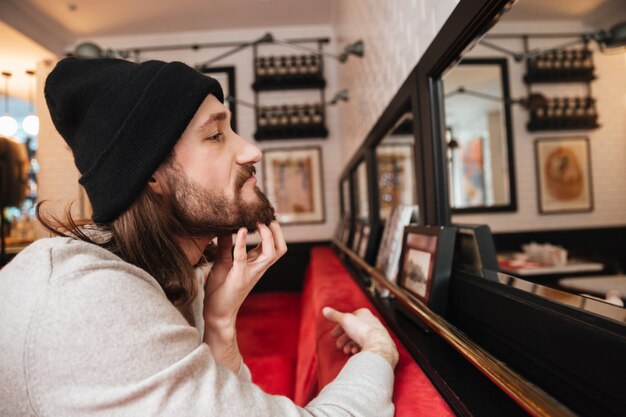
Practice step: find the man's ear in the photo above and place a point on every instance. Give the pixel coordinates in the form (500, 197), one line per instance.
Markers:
(157, 182)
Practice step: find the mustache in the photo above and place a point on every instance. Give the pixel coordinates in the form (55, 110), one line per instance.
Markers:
(244, 174)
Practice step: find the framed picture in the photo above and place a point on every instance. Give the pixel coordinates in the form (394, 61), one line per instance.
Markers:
(226, 77)
(563, 175)
(395, 176)
(426, 264)
(391, 241)
(293, 184)
(365, 238)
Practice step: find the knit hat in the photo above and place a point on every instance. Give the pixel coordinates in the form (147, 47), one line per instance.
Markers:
(121, 120)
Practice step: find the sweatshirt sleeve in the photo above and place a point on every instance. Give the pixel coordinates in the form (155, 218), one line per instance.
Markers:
(107, 342)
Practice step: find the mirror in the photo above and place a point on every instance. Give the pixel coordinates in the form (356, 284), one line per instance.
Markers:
(478, 136)
(566, 93)
(395, 169)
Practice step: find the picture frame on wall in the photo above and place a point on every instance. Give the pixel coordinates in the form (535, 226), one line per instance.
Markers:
(226, 77)
(426, 264)
(395, 176)
(564, 183)
(294, 184)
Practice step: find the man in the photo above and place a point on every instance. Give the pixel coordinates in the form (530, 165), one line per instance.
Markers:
(110, 319)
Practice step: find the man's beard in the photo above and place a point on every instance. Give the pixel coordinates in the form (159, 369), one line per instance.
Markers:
(203, 212)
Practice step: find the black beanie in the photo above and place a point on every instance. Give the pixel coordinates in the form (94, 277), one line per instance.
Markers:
(121, 120)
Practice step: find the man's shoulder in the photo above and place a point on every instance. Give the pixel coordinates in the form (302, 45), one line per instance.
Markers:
(64, 257)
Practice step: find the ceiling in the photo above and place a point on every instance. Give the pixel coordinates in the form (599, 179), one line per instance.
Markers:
(31, 30)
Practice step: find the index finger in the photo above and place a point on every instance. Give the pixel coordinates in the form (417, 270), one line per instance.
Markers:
(267, 242)
(279, 238)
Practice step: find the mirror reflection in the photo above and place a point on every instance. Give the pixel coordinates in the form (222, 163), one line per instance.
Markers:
(478, 134)
(566, 102)
(394, 159)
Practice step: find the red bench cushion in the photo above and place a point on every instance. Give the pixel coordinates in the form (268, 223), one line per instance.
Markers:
(267, 333)
(329, 283)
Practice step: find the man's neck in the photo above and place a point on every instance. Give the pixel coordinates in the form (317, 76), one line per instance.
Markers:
(194, 248)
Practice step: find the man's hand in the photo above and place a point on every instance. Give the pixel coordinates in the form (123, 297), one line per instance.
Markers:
(231, 279)
(361, 331)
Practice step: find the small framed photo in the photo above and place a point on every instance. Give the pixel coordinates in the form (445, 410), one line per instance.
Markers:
(226, 77)
(563, 175)
(293, 184)
(390, 248)
(426, 264)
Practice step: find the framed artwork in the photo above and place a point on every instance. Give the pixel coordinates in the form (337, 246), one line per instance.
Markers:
(226, 77)
(563, 175)
(293, 184)
(391, 241)
(365, 238)
(426, 264)
(395, 176)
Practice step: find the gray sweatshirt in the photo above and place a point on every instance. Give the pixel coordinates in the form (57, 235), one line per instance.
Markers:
(83, 333)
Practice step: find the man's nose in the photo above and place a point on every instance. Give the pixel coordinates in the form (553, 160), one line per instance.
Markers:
(247, 153)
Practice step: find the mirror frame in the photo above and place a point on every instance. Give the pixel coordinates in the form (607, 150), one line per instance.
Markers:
(508, 125)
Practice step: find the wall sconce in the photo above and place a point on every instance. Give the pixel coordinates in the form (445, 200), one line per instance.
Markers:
(8, 124)
(355, 48)
(613, 39)
(30, 124)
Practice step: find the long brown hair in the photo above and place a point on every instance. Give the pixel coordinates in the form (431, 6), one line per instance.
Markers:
(141, 236)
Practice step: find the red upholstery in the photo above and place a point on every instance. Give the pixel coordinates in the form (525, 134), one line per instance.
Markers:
(267, 334)
(271, 329)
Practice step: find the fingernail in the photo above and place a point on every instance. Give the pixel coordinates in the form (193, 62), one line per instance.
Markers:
(326, 311)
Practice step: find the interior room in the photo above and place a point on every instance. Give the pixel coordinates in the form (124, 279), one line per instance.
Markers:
(457, 167)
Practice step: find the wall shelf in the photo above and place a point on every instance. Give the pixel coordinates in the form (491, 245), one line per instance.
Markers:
(290, 72)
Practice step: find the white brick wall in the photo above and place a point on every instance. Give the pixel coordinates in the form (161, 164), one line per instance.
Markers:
(607, 143)
(396, 34)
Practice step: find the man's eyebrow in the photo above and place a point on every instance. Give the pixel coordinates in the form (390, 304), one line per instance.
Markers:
(214, 117)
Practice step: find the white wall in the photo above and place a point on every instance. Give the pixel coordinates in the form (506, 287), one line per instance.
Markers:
(607, 143)
(396, 34)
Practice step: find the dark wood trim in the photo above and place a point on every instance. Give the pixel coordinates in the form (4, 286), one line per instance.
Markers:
(572, 354)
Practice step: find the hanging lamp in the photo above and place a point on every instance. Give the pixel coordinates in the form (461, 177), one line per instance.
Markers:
(8, 124)
(30, 124)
